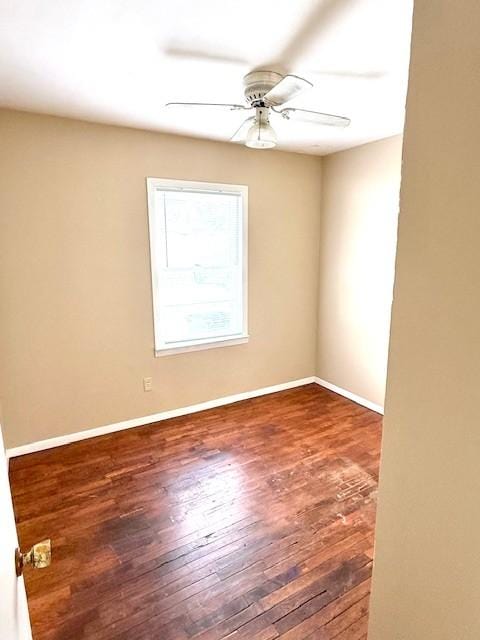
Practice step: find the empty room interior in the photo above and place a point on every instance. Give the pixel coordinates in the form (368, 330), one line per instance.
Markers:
(239, 312)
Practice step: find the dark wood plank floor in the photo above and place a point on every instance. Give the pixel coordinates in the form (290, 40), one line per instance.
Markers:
(252, 521)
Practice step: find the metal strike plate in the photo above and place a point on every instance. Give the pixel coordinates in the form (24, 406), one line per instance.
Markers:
(39, 557)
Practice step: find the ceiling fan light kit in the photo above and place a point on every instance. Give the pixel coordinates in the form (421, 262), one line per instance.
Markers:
(264, 91)
(261, 134)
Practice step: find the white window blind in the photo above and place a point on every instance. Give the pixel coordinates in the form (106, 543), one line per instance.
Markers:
(198, 254)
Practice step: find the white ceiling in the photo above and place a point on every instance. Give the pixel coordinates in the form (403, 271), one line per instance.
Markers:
(119, 61)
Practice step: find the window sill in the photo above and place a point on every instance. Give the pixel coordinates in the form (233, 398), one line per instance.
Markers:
(213, 343)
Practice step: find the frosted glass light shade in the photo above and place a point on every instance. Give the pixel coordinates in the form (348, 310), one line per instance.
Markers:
(261, 136)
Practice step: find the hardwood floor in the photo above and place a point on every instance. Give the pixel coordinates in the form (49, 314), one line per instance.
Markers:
(252, 521)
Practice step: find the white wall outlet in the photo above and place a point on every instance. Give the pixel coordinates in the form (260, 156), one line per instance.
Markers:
(147, 384)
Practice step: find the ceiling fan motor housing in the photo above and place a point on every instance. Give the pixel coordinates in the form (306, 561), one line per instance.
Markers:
(257, 84)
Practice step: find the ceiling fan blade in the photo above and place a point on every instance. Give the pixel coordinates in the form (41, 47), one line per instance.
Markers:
(355, 75)
(218, 105)
(288, 88)
(316, 117)
(324, 16)
(191, 55)
(241, 132)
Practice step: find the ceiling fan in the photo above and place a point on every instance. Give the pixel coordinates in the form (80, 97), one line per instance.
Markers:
(265, 91)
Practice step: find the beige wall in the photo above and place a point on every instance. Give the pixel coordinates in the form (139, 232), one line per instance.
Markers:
(357, 256)
(427, 567)
(76, 335)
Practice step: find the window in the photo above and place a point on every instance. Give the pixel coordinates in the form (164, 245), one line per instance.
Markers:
(198, 245)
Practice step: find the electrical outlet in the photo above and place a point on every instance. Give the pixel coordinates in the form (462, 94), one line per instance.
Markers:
(147, 384)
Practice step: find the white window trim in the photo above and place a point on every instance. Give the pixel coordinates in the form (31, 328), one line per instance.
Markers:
(208, 343)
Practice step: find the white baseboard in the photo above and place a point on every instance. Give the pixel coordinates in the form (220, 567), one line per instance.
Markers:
(351, 396)
(58, 441)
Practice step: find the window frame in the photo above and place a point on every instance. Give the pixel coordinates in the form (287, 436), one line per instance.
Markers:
(153, 184)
